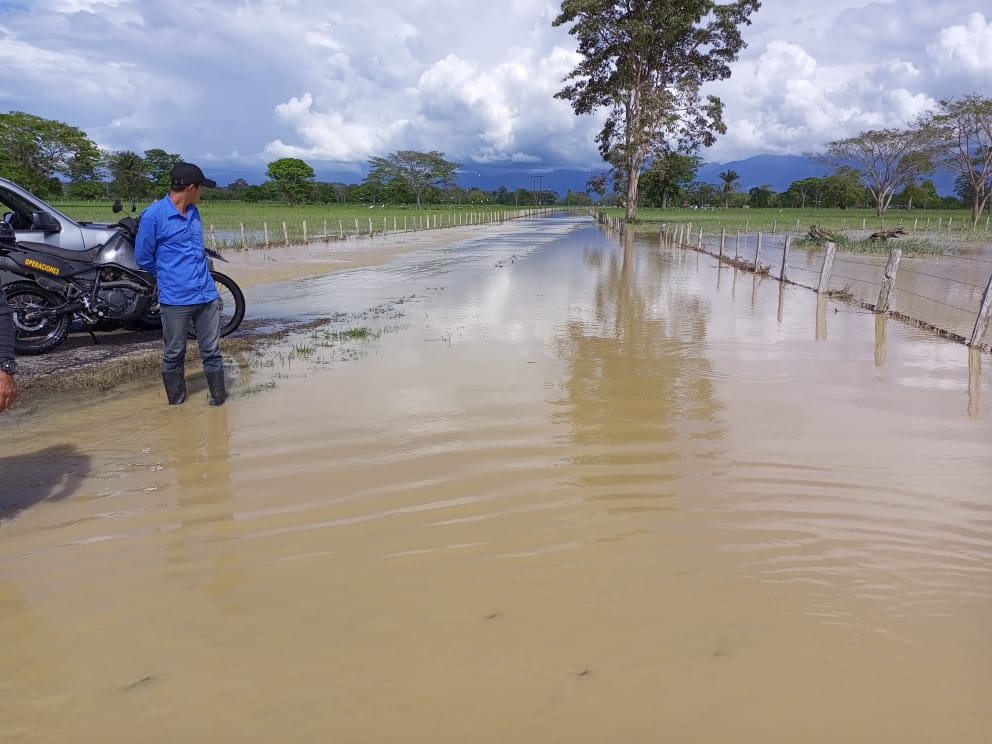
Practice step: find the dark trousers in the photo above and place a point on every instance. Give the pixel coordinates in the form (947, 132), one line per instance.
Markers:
(205, 318)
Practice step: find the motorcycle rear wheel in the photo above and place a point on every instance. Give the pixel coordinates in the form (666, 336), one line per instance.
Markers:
(232, 304)
(35, 331)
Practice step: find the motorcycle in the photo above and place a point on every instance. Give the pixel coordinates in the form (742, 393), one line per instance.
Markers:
(103, 287)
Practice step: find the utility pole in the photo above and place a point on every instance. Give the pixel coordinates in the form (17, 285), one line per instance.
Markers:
(538, 185)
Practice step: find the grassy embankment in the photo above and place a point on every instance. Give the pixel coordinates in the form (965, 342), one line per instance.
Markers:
(927, 231)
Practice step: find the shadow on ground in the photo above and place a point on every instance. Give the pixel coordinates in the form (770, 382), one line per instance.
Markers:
(50, 474)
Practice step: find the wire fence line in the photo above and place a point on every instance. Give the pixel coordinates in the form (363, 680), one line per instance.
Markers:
(950, 295)
(248, 235)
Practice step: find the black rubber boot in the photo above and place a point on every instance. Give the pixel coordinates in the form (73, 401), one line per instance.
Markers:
(215, 381)
(175, 386)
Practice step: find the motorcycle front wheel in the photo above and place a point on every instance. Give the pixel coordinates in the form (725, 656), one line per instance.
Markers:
(37, 329)
(232, 304)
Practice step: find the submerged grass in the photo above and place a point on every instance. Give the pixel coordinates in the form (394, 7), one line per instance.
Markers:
(847, 244)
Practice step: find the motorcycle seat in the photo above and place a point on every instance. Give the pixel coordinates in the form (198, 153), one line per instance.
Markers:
(63, 253)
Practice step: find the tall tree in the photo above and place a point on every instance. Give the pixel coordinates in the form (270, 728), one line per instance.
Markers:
(291, 177)
(805, 192)
(645, 61)
(129, 171)
(34, 151)
(760, 197)
(599, 184)
(843, 188)
(920, 194)
(961, 130)
(422, 171)
(159, 164)
(674, 171)
(887, 160)
(730, 179)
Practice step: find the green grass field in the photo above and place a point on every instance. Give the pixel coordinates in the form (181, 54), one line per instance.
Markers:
(235, 224)
(224, 221)
(799, 220)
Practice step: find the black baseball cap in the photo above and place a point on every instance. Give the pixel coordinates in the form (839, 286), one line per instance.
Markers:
(185, 174)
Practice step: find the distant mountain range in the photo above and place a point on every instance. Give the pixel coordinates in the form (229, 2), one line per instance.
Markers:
(776, 171)
(779, 171)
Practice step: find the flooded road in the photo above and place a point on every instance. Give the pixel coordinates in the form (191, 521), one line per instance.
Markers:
(565, 489)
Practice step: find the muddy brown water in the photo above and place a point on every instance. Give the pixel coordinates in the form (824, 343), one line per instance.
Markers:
(571, 489)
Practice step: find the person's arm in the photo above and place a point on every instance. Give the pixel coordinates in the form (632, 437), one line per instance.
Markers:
(8, 387)
(144, 242)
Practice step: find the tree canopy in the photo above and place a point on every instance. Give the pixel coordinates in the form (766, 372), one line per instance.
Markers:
(292, 178)
(961, 131)
(645, 61)
(35, 151)
(129, 171)
(886, 159)
(158, 167)
(419, 171)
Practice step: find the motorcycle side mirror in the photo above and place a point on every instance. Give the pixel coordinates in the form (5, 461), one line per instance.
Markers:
(117, 206)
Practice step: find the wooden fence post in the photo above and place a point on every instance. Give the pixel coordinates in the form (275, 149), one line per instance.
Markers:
(785, 258)
(888, 280)
(244, 243)
(265, 233)
(699, 244)
(304, 232)
(757, 252)
(974, 381)
(285, 234)
(984, 316)
(723, 239)
(828, 265)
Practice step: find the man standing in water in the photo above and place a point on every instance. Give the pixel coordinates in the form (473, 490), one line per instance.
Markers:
(170, 245)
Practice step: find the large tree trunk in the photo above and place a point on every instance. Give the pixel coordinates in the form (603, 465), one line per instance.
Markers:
(634, 163)
(978, 205)
(632, 185)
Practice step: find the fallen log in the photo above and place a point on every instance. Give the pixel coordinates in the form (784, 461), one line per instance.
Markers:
(886, 234)
(815, 233)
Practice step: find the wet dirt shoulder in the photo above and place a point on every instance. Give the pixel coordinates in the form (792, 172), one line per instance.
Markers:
(100, 360)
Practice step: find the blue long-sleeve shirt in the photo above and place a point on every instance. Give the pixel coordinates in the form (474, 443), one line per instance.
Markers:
(170, 245)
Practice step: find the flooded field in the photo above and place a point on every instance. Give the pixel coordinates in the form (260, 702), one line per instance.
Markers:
(558, 488)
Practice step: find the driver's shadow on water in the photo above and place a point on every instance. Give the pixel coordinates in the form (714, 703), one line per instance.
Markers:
(50, 474)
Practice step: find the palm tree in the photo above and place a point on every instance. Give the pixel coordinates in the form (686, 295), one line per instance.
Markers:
(129, 172)
(729, 178)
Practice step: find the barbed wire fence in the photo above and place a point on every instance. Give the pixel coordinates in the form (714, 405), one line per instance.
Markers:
(264, 234)
(948, 294)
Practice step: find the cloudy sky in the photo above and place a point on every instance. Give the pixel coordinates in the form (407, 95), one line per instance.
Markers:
(234, 84)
